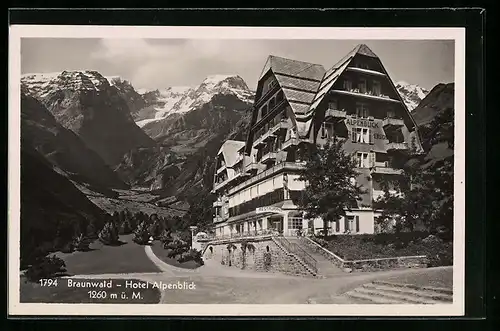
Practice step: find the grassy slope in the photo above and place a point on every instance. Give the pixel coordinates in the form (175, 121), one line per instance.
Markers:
(126, 258)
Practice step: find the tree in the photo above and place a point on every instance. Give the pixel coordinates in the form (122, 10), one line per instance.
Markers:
(141, 234)
(422, 194)
(329, 191)
(109, 234)
(82, 242)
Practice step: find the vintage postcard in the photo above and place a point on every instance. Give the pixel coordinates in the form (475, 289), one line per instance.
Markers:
(221, 171)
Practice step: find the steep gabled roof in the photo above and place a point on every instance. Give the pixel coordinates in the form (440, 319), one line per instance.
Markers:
(332, 74)
(230, 150)
(293, 68)
(299, 80)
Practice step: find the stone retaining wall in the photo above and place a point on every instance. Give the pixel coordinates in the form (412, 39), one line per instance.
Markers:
(262, 254)
(369, 264)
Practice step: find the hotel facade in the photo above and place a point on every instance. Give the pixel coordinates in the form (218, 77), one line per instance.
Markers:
(299, 103)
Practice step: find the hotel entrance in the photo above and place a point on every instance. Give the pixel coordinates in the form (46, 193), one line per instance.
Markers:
(275, 223)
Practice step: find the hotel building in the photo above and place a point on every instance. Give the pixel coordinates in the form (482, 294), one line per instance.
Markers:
(299, 103)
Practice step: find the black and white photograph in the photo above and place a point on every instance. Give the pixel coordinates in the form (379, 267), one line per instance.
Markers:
(221, 170)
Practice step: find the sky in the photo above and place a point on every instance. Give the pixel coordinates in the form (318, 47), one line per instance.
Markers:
(161, 63)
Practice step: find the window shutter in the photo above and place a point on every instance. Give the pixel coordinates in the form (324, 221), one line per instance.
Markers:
(337, 226)
(370, 133)
(346, 223)
(357, 223)
(353, 135)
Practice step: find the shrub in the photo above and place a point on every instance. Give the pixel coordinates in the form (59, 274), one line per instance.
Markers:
(165, 237)
(45, 267)
(191, 255)
(109, 234)
(141, 234)
(81, 243)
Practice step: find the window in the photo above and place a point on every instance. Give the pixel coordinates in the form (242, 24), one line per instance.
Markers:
(294, 223)
(362, 135)
(351, 226)
(327, 130)
(333, 105)
(271, 84)
(362, 85)
(391, 113)
(377, 90)
(362, 160)
(362, 110)
(263, 111)
(347, 85)
(272, 103)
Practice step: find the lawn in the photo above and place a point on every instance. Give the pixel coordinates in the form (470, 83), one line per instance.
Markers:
(360, 247)
(162, 254)
(129, 257)
(33, 292)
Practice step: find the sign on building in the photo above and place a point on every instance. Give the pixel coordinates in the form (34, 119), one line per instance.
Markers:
(260, 210)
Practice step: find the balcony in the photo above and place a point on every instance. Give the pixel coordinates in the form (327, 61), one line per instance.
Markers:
(252, 168)
(281, 125)
(392, 123)
(268, 157)
(266, 173)
(221, 169)
(393, 146)
(366, 71)
(365, 94)
(220, 184)
(218, 203)
(336, 114)
(289, 143)
(217, 219)
(385, 171)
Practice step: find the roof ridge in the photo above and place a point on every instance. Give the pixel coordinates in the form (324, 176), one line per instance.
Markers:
(293, 60)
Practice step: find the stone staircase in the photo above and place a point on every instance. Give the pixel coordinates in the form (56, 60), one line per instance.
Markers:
(379, 292)
(325, 267)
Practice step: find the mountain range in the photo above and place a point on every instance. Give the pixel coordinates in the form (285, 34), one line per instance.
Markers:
(122, 146)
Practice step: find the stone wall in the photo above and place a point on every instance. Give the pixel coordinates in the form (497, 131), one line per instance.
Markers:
(388, 263)
(261, 254)
(371, 264)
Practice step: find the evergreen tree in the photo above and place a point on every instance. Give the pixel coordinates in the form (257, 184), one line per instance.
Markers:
(109, 234)
(141, 234)
(328, 175)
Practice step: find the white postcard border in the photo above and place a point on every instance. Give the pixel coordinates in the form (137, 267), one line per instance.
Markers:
(16, 32)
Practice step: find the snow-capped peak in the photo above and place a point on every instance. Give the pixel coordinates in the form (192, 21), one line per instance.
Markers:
(41, 84)
(181, 99)
(412, 94)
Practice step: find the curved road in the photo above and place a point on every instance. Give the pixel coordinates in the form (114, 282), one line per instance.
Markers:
(216, 284)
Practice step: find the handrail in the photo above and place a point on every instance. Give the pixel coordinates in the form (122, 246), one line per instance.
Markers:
(299, 252)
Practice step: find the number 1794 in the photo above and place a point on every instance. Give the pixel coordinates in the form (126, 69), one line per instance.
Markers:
(48, 282)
